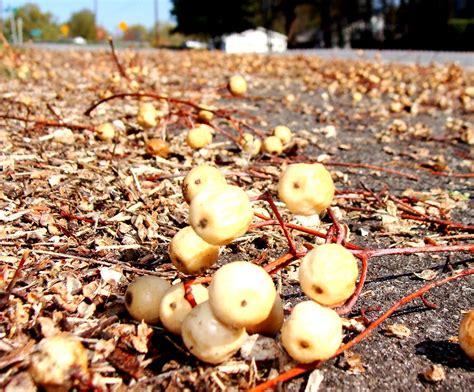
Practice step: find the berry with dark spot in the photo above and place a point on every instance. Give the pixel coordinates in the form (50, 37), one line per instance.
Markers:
(174, 307)
(328, 274)
(312, 332)
(241, 294)
(143, 297)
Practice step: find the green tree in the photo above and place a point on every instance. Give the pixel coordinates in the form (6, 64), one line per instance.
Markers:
(82, 24)
(37, 25)
(137, 33)
(168, 36)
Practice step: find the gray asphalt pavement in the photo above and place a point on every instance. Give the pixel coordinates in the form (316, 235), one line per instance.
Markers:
(421, 57)
(465, 59)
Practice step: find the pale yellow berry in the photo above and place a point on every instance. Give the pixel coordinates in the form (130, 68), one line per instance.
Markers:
(190, 254)
(312, 332)
(199, 178)
(205, 115)
(174, 307)
(241, 294)
(237, 85)
(469, 91)
(357, 97)
(396, 107)
(290, 98)
(58, 362)
(64, 136)
(146, 116)
(328, 274)
(272, 324)
(283, 133)
(306, 189)
(466, 334)
(209, 339)
(199, 136)
(106, 132)
(143, 297)
(251, 144)
(220, 215)
(272, 145)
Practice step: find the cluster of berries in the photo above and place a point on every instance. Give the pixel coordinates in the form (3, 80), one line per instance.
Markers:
(242, 298)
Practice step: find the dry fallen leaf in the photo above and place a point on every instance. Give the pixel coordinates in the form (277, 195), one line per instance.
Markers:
(355, 323)
(397, 330)
(351, 362)
(141, 339)
(427, 274)
(435, 374)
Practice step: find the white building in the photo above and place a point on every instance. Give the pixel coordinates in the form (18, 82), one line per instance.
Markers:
(258, 40)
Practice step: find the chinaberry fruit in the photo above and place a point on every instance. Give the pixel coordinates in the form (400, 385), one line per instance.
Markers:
(105, 132)
(190, 254)
(205, 115)
(174, 307)
(241, 294)
(237, 85)
(251, 144)
(157, 147)
(466, 334)
(199, 136)
(146, 116)
(272, 324)
(143, 297)
(199, 178)
(58, 361)
(283, 133)
(328, 274)
(272, 145)
(312, 332)
(209, 339)
(306, 189)
(221, 214)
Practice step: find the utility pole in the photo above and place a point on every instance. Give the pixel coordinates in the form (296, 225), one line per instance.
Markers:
(157, 25)
(1, 16)
(95, 11)
(19, 28)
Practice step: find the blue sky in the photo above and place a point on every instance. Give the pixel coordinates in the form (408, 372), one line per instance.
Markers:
(110, 12)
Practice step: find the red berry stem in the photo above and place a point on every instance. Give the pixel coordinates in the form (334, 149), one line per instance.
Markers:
(300, 369)
(347, 307)
(338, 229)
(268, 198)
(188, 293)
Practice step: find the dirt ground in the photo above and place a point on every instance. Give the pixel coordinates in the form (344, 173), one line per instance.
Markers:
(95, 214)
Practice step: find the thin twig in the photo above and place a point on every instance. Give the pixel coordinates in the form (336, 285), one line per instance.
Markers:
(410, 251)
(116, 60)
(48, 123)
(271, 222)
(4, 297)
(268, 198)
(347, 307)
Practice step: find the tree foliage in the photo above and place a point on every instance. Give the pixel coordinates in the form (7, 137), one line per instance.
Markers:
(212, 18)
(37, 25)
(137, 33)
(82, 24)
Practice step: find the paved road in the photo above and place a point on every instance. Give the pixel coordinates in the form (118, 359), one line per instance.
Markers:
(465, 59)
